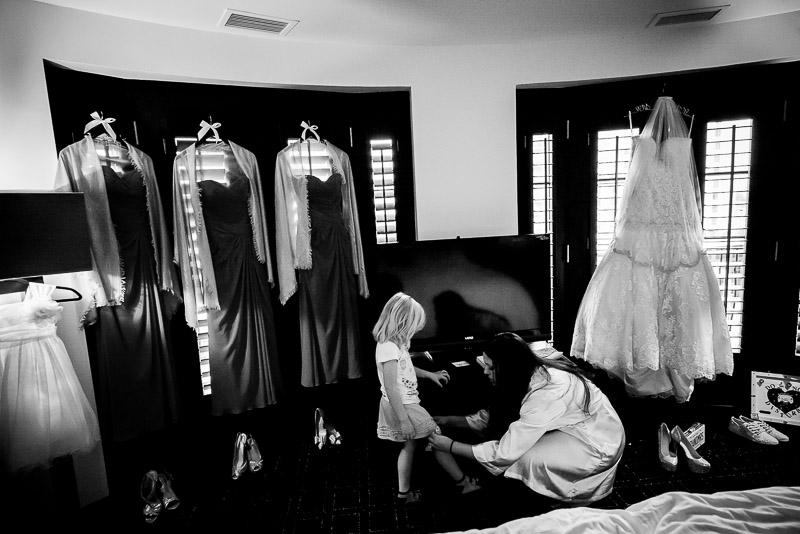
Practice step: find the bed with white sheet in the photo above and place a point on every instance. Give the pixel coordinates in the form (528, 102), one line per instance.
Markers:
(772, 510)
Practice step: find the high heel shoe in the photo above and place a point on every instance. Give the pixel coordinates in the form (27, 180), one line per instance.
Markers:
(321, 434)
(697, 464)
(668, 457)
(254, 459)
(239, 460)
(149, 491)
(333, 435)
(168, 499)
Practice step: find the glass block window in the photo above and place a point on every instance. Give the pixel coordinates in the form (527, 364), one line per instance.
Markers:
(613, 160)
(382, 153)
(542, 197)
(725, 205)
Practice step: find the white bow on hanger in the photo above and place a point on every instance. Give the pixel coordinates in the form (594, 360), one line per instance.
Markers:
(204, 127)
(306, 128)
(98, 119)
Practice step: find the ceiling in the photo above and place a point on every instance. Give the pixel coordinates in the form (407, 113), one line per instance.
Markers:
(431, 22)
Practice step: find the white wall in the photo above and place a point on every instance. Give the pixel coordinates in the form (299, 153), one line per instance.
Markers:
(463, 98)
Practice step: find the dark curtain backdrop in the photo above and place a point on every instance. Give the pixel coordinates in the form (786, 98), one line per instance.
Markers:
(150, 114)
(769, 94)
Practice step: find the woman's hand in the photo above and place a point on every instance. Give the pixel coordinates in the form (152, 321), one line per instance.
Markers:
(443, 421)
(406, 430)
(440, 378)
(440, 442)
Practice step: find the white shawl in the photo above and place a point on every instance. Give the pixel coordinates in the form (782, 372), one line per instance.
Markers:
(194, 258)
(293, 225)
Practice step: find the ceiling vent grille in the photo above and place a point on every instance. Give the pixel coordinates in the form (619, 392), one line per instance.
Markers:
(252, 22)
(688, 16)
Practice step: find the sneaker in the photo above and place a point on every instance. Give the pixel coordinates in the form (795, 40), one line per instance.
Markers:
(780, 436)
(751, 431)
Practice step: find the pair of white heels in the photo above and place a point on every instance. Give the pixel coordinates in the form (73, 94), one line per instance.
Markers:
(668, 442)
(324, 431)
(246, 454)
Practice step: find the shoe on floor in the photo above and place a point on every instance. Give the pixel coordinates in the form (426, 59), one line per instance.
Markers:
(780, 436)
(469, 485)
(409, 496)
(751, 431)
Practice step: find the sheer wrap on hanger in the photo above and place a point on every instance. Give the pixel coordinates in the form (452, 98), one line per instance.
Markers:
(194, 258)
(668, 233)
(80, 169)
(292, 219)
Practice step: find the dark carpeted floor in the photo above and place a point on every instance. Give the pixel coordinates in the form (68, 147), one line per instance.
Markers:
(350, 488)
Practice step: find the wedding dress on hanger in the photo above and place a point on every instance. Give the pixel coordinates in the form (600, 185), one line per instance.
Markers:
(652, 314)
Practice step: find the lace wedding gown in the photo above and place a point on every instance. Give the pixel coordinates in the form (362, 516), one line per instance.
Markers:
(652, 314)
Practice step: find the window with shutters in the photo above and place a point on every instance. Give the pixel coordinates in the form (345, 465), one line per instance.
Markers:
(797, 339)
(613, 160)
(542, 197)
(315, 160)
(382, 154)
(725, 213)
(213, 165)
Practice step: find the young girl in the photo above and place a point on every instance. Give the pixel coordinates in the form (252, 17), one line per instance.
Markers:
(400, 417)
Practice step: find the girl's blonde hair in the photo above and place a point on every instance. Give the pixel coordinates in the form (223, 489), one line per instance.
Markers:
(401, 318)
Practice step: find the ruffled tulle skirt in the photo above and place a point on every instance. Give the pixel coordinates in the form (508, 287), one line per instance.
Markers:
(657, 330)
(44, 413)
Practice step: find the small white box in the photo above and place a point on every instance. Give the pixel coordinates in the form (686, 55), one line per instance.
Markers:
(696, 434)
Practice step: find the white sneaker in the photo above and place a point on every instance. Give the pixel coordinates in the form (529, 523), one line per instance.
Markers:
(751, 431)
(780, 436)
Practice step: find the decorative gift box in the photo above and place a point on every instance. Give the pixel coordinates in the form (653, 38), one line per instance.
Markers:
(775, 398)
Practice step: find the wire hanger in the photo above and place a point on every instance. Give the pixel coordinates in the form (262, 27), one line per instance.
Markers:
(107, 138)
(313, 129)
(309, 127)
(205, 127)
(15, 285)
(646, 107)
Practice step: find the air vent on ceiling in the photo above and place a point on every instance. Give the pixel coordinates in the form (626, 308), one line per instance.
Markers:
(687, 16)
(241, 20)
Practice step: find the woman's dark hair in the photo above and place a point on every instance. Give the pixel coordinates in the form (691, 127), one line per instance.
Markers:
(514, 364)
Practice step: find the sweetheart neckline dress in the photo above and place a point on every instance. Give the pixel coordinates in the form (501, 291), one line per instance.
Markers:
(327, 293)
(243, 355)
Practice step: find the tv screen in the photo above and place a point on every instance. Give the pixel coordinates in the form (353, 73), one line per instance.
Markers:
(471, 288)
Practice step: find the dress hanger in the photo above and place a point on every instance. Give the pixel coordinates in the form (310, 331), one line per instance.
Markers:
(646, 107)
(210, 148)
(205, 127)
(308, 127)
(308, 141)
(107, 138)
(16, 285)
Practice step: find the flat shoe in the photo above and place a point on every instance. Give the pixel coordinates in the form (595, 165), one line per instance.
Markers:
(409, 497)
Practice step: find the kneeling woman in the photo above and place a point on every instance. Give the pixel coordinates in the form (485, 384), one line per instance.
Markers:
(549, 426)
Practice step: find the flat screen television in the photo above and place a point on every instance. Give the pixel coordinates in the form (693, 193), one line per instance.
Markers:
(471, 288)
